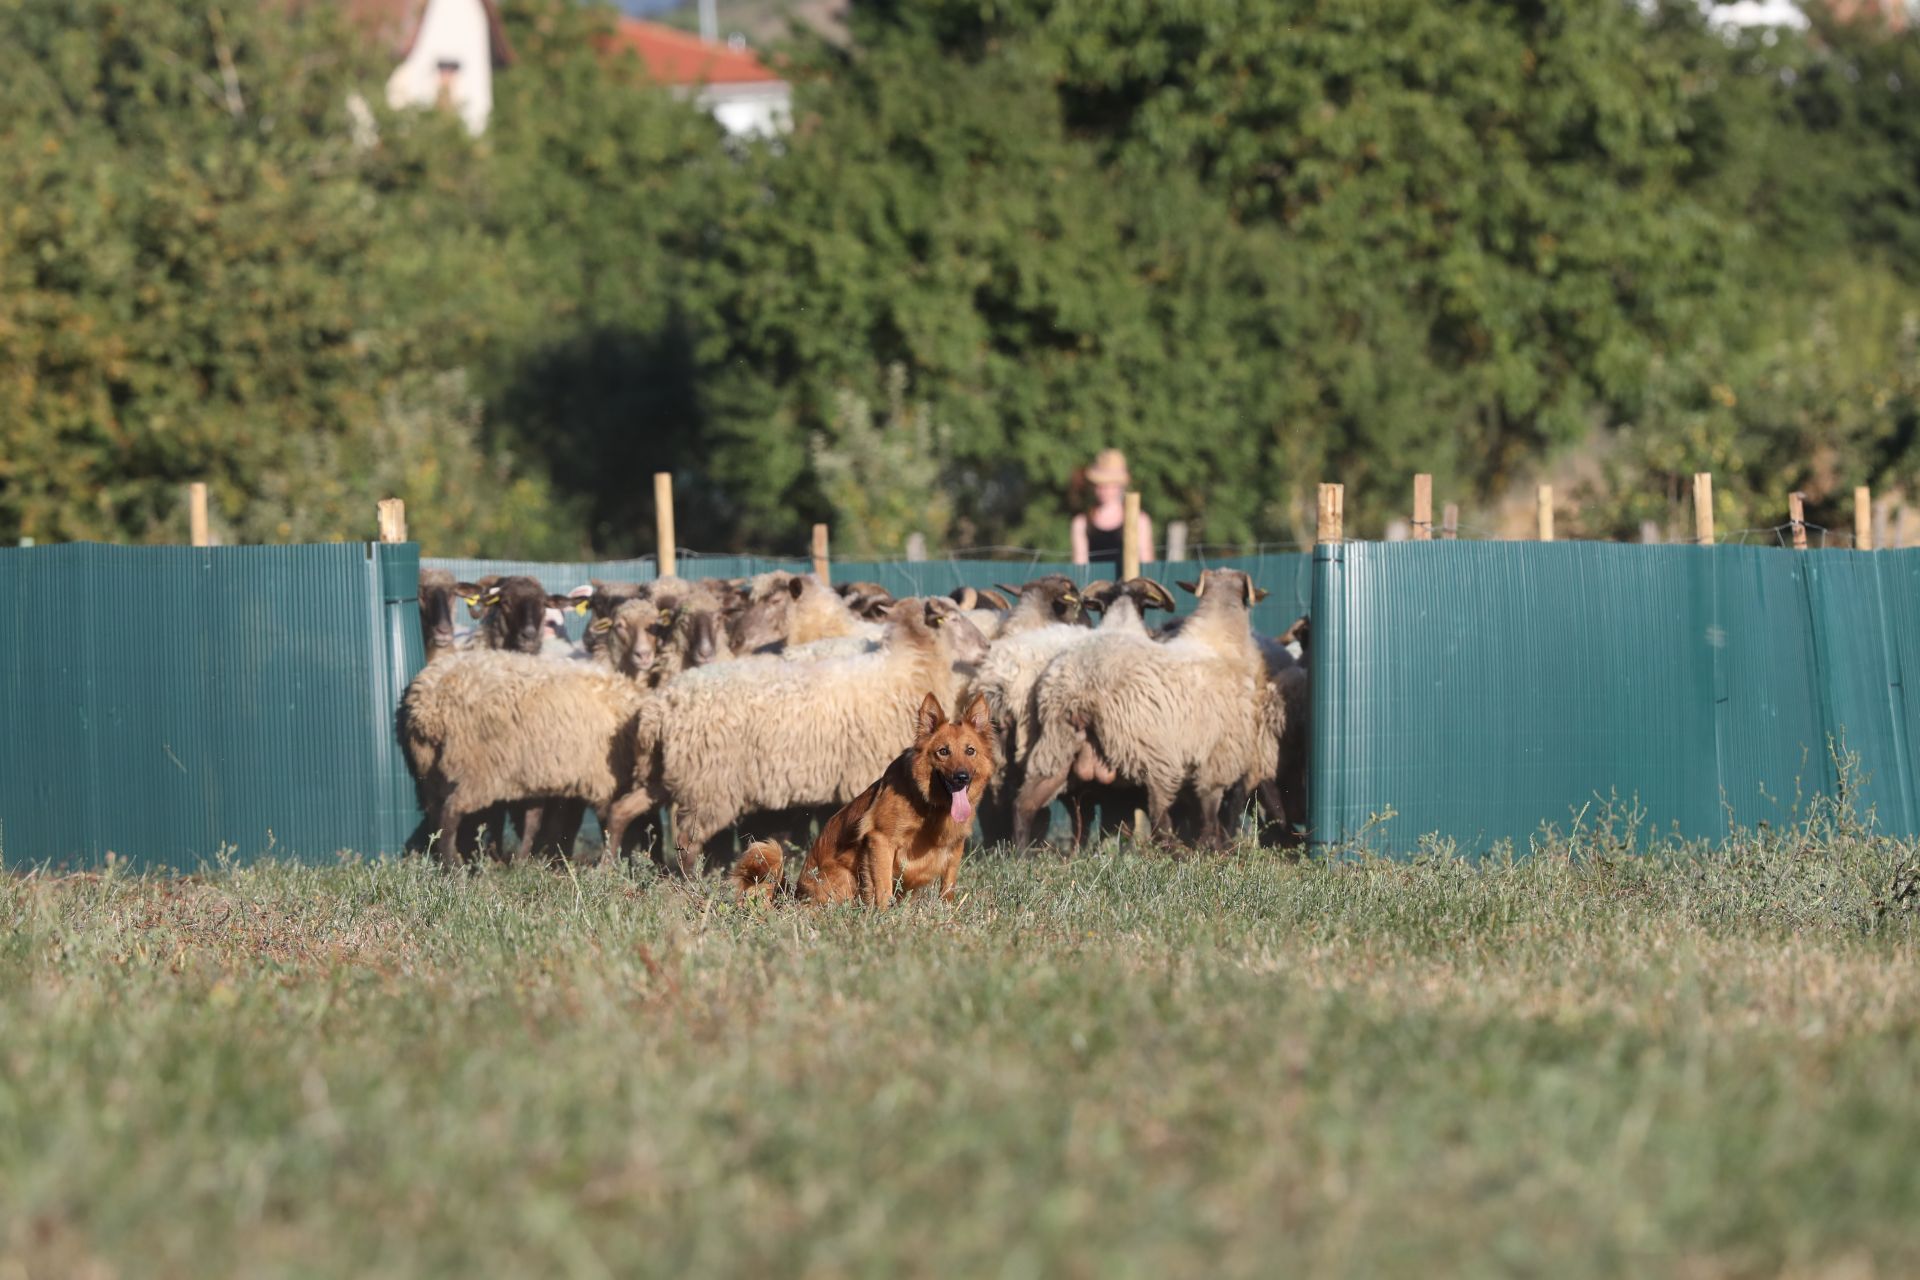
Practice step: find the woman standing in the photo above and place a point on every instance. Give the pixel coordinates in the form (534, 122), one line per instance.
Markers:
(1097, 533)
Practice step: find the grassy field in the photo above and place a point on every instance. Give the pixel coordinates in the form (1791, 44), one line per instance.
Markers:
(1123, 1065)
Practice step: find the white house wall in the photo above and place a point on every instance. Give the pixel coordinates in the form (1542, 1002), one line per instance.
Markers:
(450, 31)
(750, 111)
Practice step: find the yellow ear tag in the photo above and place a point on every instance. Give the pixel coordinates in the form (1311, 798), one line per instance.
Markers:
(580, 608)
(473, 600)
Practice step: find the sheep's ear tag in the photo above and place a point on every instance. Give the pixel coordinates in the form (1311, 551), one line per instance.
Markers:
(935, 620)
(471, 599)
(580, 608)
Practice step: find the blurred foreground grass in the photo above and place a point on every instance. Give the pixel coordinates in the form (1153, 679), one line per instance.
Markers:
(1122, 1065)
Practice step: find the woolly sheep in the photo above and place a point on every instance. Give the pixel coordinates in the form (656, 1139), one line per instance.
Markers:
(488, 727)
(1013, 666)
(787, 609)
(762, 734)
(1158, 713)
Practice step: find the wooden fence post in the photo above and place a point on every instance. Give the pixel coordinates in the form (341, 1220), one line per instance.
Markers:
(1176, 540)
(1422, 507)
(1797, 519)
(665, 563)
(1543, 503)
(822, 562)
(916, 548)
(197, 514)
(1703, 508)
(1332, 513)
(1649, 532)
(1863, 518)
(393, 519)
(1450, 521)
(1130, 538)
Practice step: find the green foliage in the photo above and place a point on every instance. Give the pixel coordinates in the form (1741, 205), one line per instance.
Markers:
(1254, 243)
(884, 475)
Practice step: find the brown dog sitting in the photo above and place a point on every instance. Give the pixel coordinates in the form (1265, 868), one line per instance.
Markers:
(904, 832)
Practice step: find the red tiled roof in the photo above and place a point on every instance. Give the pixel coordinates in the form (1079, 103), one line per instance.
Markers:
(677, 58)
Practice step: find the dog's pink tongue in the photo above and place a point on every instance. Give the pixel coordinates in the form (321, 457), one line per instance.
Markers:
(962, 806)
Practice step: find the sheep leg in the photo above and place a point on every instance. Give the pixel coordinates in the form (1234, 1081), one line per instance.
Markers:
(531, 818)
(453, 816)
(691, 831)
(1160, 798)
(618, 818)
(1212, 834)
(1036, 793)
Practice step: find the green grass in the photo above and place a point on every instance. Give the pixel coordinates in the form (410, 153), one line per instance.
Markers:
(1121, 1065)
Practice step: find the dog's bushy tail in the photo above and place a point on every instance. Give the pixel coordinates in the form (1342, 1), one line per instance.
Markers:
(757, 872)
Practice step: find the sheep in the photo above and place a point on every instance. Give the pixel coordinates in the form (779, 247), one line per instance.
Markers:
(1158, 713)
(762, 734)
(1047, 599)
(486, 728)
(986, 609)
(461, 726)
(602, 600)
(1026, 646)
(868, 600)
(514, 613)
(794, 609)
(1283, 798)
(438, 591)
(694, 630)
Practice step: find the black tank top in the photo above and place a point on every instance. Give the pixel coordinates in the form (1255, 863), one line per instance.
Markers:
(1104, 545)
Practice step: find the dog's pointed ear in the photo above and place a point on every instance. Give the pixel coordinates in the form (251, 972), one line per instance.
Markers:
(995, 600)
(931, 717)
(1193, 588)
(978, 718)
(965, 597)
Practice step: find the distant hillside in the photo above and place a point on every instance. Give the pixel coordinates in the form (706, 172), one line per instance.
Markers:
(762, 22)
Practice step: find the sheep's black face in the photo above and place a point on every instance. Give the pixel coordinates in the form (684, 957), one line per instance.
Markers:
(516, 613)
(703, 644)
(437, 593)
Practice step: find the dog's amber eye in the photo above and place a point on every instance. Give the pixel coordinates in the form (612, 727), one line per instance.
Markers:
(969, 750)
(942, 752)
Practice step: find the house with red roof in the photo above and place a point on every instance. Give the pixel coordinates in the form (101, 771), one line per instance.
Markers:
(735, 87)
(449, 50)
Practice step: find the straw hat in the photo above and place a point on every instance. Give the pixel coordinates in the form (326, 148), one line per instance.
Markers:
(1109, 467)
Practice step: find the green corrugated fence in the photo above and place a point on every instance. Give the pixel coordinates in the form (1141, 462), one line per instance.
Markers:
(1482, 690)
(166, 704)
